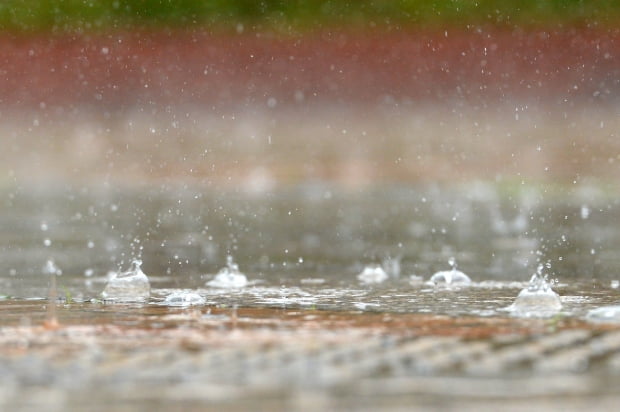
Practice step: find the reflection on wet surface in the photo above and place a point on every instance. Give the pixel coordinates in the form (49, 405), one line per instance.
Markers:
(310, 232)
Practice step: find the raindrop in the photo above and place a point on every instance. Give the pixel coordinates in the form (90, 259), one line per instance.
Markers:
(585, 212)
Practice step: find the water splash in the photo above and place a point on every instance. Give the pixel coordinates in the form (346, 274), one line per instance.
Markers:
(537, 299)
(229, 276)
(604, 314)
(450, 277)
(372, 274)
(184, 299)
(130, 286)
(51, 268)
(392, 265)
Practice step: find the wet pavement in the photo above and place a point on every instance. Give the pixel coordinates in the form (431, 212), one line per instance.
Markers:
(143, 357)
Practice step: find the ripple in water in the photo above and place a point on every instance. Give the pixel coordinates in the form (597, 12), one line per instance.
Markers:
(229, 276)
(450, 277)
(130, 286)
(604, 314)
(537, 299)
(184, 299)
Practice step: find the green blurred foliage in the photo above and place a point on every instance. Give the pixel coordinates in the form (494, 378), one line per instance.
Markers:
(67, 15)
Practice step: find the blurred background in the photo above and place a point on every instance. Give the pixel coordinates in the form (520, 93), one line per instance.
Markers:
(311, 136)
(340, 153)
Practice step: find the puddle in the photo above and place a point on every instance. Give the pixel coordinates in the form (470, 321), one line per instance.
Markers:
(357, 254)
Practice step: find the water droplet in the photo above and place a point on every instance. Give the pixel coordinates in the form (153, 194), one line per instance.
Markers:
(585, 212)
(44, 227)
(50, 268)
(372, 274)
(229, 276)
(391, 266)
(130, 286)
(47, 242)
(537, 299)
(450, 277)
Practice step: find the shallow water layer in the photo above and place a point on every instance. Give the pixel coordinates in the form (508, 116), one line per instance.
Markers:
(313, 232)
(305, 246)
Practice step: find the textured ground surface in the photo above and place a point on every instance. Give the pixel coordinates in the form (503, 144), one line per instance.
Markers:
(163, 359)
